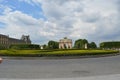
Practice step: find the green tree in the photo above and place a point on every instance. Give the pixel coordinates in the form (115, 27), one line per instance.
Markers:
(45, 46)
(80, 43)
(53, 45)
(92, 45)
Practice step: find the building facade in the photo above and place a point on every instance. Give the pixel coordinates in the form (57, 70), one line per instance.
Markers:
(6, 41)
(65, 43)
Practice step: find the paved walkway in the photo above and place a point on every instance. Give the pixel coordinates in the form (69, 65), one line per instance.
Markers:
(105, 77)
(61, 69)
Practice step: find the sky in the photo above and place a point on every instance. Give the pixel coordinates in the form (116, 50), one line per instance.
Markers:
(44, 20)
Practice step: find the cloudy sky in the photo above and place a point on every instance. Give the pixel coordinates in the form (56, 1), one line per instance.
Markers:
(44, 20)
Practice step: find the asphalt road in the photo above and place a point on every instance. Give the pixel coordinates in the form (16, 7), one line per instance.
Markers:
(36, 68)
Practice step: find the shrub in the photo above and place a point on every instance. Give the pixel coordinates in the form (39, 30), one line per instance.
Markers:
(24, 46)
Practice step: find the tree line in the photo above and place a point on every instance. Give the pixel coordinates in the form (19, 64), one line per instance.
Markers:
(110, 45)
(79, 44)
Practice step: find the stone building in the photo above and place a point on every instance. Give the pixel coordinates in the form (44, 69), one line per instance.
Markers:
(6, 41)
(65, 43)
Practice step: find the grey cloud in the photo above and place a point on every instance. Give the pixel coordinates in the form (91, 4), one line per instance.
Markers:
(118, 3)
(103, 27)
(91, 18)
(22, 19)
(58, 9)
(107, 29)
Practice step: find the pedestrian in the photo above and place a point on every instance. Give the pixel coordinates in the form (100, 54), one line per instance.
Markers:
(0, 60)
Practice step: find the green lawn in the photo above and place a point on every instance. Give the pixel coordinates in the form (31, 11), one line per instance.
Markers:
(47, 53)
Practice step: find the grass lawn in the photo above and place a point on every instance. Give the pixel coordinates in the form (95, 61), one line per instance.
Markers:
(47, 53)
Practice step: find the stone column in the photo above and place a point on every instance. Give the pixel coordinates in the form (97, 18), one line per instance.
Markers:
(67, 45)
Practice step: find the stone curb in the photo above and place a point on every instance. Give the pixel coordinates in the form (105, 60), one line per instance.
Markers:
(63, 57)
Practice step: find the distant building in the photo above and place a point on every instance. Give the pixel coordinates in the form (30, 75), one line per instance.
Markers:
(6, 41)
(26, 39)
(65, 43)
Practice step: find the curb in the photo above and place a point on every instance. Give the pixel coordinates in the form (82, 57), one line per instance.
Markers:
(61, 57)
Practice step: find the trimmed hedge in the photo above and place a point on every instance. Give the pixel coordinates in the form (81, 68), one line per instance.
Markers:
(2, 47)
(24, 46)
(115, 44)
(58, 53)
